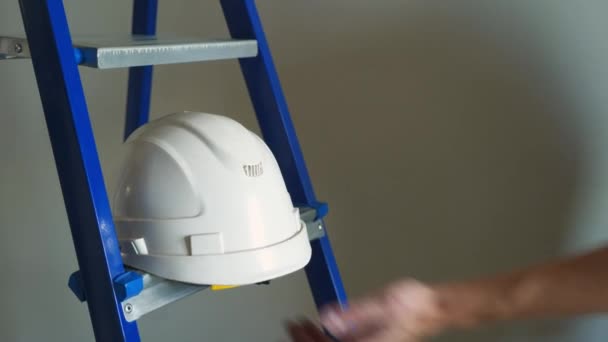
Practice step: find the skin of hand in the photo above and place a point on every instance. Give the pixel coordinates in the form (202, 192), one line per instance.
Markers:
(405, 311)
(409, 311)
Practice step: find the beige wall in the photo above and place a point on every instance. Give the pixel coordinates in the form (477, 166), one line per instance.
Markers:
(450, 139)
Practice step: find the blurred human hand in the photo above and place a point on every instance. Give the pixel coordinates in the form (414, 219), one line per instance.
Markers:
(406, 311)
(409, 311)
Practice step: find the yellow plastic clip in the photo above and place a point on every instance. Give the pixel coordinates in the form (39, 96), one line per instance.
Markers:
(222, 287)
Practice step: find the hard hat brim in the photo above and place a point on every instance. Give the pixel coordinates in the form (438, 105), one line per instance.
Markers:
(237, 268)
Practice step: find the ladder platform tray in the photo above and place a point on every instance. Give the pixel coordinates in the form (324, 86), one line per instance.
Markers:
(123, 51)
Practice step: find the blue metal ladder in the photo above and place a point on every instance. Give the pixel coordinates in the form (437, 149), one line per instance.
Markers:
(56, 60)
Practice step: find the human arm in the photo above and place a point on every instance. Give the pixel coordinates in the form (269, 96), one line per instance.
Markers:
(409, 310)
(570, 286)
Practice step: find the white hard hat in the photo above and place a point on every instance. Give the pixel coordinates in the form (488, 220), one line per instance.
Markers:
(202, 200)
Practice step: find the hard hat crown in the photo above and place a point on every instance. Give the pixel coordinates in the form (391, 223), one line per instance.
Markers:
(201, 199)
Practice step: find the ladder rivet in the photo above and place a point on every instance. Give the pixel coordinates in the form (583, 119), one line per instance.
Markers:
(18, 48)
(128, 308)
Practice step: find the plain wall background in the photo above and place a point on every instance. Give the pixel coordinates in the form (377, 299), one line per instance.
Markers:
(450, 139)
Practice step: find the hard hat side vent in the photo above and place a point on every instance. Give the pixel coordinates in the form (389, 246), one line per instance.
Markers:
(255, 170)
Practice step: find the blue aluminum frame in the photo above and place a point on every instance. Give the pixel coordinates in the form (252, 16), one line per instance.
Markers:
(78, 165)
(280, 135)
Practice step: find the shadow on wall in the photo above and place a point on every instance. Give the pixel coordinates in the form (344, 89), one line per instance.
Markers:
(445, 151)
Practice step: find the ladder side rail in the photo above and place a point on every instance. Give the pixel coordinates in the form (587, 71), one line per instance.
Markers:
(78, 166)
(279, 133)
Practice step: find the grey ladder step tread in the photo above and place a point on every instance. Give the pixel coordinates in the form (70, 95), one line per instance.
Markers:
(122, 51)
(128, 51)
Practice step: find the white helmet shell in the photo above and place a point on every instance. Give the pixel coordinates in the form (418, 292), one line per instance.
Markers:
(202, 200)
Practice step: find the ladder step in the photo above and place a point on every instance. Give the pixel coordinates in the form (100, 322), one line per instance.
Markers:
(130, 51)
(110, 52)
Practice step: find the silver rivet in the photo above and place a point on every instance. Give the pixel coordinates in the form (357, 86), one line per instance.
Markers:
(320, 226)
(128, 308)
(18, 48)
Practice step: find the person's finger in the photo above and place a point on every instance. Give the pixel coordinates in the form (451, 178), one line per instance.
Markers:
(393, 335)
(314, 332)
(356, 335)
(361, 315)
(298, 333)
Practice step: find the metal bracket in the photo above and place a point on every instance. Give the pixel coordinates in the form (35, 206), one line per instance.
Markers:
(157, 292)
(13, 48)
(313, 218)
(140, 293)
